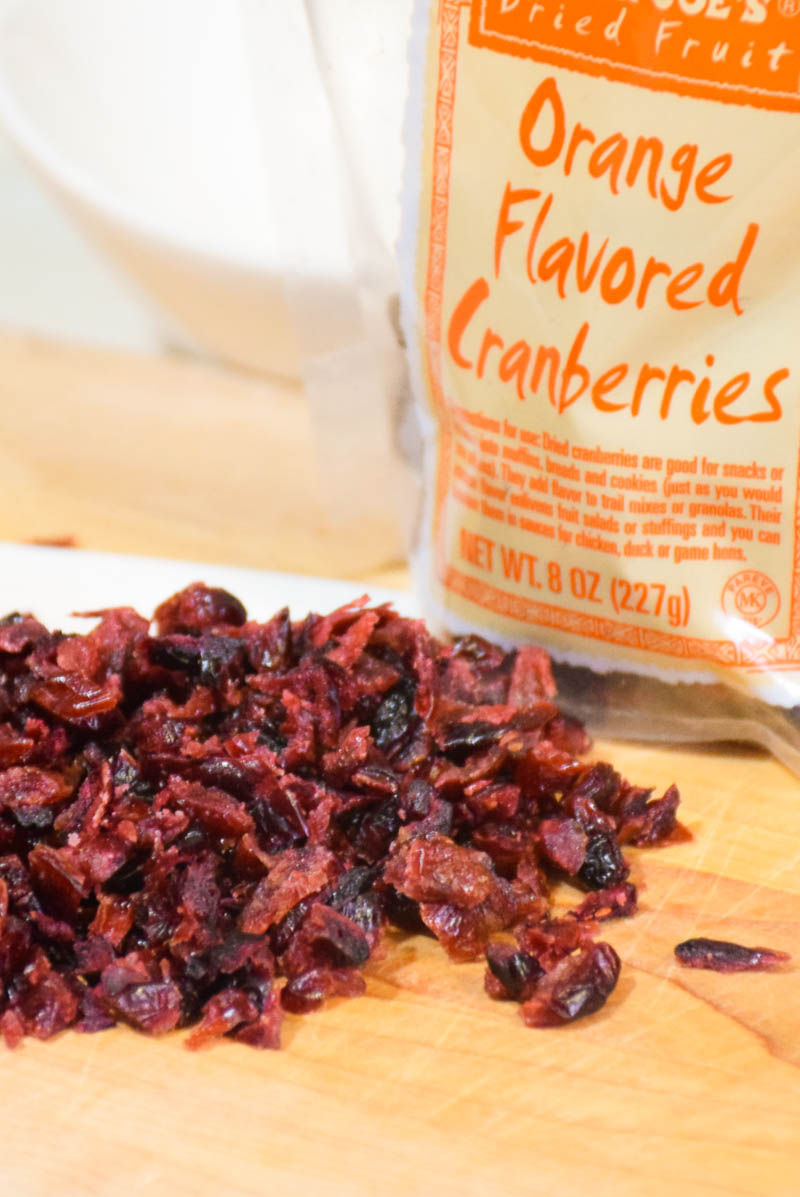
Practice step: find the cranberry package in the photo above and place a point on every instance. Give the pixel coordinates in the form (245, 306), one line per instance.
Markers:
(600, 278)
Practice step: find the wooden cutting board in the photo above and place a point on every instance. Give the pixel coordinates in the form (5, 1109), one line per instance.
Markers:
(686, 1083)
(171, 457)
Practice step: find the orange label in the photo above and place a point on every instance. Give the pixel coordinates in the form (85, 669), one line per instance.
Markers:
(606, 224)
(737, 51)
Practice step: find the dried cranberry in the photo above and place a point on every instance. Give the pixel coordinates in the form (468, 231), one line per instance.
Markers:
(210, 822)
(604, 864)
(724, 957)
(18, 632)
(326, 939)
(438, 870)
(516, 972)
(395, 716)
(223, 1013)
(309, 990)
(403, 913)
(154, 1006)
(351, 885)
(577, 986)
(618, 902)
(462, 739)
(373, 829)
(75, 698)
(565, 844)
(205, 657)
(199, 607)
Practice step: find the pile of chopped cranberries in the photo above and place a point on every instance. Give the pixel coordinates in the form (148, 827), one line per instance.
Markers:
(209, 821)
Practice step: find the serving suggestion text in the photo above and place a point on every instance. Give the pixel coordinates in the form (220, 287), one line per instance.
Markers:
(525, 245)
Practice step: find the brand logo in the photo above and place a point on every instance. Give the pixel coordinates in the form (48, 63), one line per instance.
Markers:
(752, 596)
(749, 12)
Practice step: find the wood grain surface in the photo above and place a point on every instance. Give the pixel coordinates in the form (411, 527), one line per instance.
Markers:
(169, 457)
(687, 1082)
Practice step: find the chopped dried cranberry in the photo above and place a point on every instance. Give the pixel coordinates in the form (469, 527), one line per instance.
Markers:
(395, 716)
(153, 1006)
(75, 698)
(462, 739)
(199, 607)
(308, 991)
(404, 913)
(326, 938)
(297, 874)
(604, 864)
(550, 940)
(373, 829)
(18, 632)
(209, 821)
(515, 971)
(223, 1013)
(724, 957)
(618, 902)
(438, 870)
(465, 931)
(351, 885)
(576, 986)
(565, 844)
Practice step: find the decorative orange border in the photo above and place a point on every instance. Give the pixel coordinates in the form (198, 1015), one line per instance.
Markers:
(721, 91)
(449, 18)
(777, 655)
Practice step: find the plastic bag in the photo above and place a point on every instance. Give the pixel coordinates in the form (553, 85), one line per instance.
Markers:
(600, 269)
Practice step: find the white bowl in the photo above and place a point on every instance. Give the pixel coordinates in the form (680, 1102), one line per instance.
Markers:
(144, 117)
